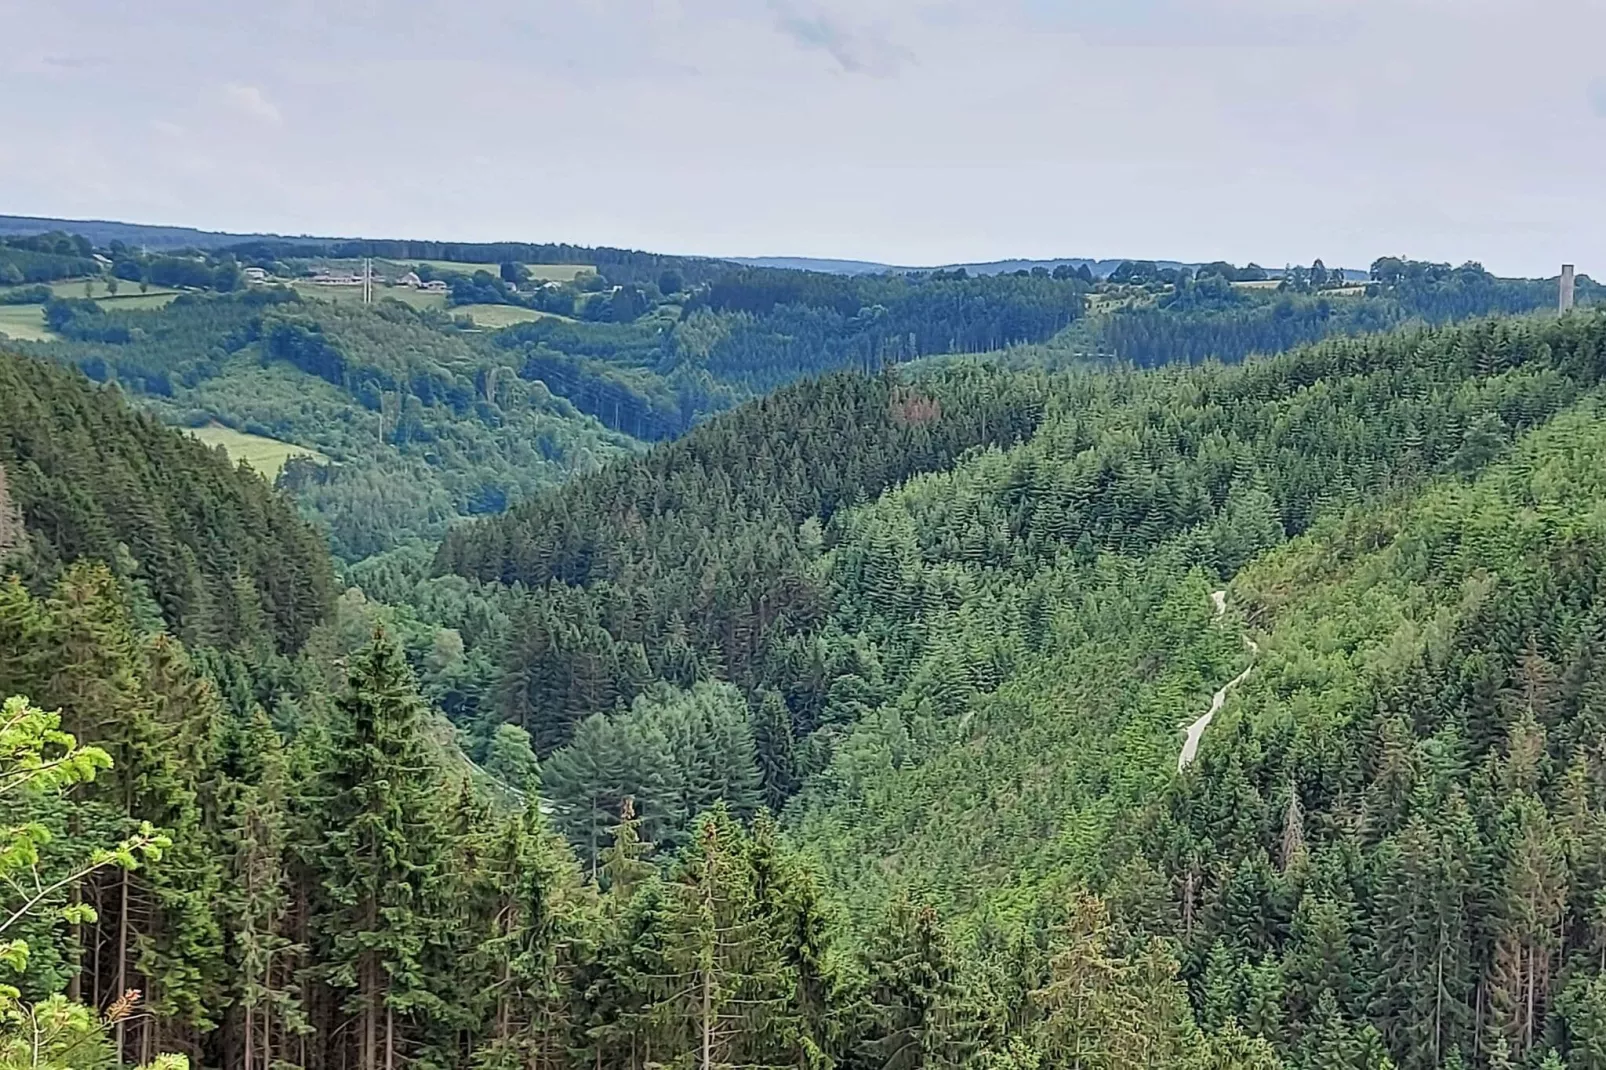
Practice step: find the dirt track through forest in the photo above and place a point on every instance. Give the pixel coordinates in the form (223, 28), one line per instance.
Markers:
(1196, 731)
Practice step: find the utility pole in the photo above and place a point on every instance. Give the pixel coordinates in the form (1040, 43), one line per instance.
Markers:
(1567, 287)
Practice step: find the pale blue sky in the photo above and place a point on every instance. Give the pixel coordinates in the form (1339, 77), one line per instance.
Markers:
(908, 131)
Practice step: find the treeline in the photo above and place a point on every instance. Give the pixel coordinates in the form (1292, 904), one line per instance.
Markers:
(56, 256)
(1202, 316)
(45, 258)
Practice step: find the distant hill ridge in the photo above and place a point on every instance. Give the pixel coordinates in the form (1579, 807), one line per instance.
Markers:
(1100, 268)
(159, 237)
(104, 231)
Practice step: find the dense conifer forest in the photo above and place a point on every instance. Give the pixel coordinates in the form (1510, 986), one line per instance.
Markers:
(845, 729)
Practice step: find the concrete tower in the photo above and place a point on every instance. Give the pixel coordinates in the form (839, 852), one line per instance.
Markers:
(1566, 287)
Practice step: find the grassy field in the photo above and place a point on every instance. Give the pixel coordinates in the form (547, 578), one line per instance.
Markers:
(550, 272)
(495, 317)
(265, 455)
(126, 292)
(154, 299)
(352, 295)
(559, 272)
(1355, 290)
(25, 323)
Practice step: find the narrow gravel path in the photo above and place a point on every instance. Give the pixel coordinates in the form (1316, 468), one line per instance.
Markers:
(1196, 731)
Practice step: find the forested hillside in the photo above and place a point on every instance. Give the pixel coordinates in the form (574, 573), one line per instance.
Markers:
(421, 426)
(304, 872)
(751, 330)
(213, 553)
(974, 696)
(843, 730)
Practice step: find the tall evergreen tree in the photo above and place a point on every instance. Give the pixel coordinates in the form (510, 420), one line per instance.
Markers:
(380, 854)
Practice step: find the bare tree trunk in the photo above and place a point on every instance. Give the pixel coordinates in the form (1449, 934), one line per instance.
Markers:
(267, 1015)
(147, 1036)
(1477, 1022)
(370, 1014)
(122, 963)
(708, 1024)
(98, 937)
(1438, 998)
(75, 987)
(503, 1007)
(1533, 981)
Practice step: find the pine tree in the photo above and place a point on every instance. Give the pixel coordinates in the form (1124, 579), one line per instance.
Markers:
(725, 983)
(262, 956)
(527, 954)
(624, 865)
(913, 1012)
(379, 853)
(1422, 947)
(1532, 903)
(510, 759)
(788, 905)
(772, 740)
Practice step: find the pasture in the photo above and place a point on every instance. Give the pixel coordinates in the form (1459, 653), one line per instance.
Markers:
(495, 317)
(545, 272)
(352, 295)
(25, 323)
(136, 300)
(266, 456)
(100, 290)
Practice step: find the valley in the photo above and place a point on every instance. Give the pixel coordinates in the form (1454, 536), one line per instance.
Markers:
(622, 660)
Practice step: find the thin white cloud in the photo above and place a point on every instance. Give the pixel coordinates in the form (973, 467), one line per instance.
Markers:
(1597, 97)
(856, 50)
(251, 101)
(71, 62)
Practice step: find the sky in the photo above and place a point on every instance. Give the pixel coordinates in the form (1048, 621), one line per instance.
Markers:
(912, 132)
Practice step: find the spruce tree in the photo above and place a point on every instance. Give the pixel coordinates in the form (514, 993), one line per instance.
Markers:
(381, 849)
(528, 954)
(725, 980)
(913, 1013)
(257, 901)
(772, 740)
